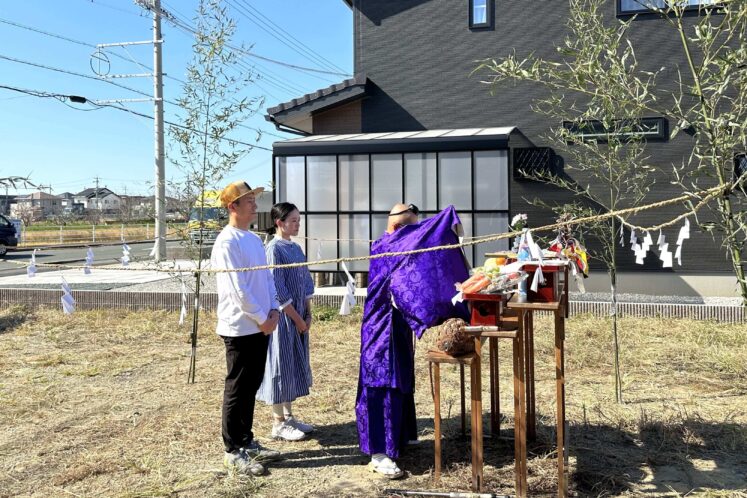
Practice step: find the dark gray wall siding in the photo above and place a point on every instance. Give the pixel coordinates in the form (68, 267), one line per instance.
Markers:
(419, 56)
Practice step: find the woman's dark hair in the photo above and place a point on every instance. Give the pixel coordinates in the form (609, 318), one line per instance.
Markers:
(280, 211)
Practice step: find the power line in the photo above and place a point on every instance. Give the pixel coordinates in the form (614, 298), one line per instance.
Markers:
(82, 43)
(184, 27)
(79, 99)
(306, 47)
(73, 73)
(171, 18)
(280, 34)
(110, 82)
(102, 4)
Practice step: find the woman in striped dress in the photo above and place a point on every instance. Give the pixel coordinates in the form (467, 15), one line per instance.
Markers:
(287, 371)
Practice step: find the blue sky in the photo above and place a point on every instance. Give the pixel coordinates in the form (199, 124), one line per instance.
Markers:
(66, 148)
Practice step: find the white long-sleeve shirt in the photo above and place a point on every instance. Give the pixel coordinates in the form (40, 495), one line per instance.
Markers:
(244, 298)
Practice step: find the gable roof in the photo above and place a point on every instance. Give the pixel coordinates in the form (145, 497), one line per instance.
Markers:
(295, 113)
(91, 192)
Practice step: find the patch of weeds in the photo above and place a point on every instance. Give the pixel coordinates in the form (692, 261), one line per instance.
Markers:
(12, 317)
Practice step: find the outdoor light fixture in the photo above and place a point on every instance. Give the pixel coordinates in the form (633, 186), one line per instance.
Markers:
(740, 166)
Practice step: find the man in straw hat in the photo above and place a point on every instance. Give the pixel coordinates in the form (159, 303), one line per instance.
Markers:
(247, 314)
(406, 295)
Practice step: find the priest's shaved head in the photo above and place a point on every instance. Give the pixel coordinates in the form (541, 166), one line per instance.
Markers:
(401, 215)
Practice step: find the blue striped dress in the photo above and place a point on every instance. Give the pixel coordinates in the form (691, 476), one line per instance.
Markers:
(287, 371)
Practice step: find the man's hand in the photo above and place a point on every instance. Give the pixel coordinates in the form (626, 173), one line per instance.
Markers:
(271, 323)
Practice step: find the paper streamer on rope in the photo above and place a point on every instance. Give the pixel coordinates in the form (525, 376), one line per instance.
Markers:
(534, 249)
(641, 250)
(68, 303)
(538, 279)
(622, 235)
(183, 312)
(125, 255)
(665, 256)
(31, 269)
(647, 242)
(319, 251)
(578, 278)
(661, 240)
(684, 234)
(348, 300)
(633, 237)
(89, 262)
(458, 298)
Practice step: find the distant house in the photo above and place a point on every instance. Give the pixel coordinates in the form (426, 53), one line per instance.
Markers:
(69, 206)
(5, 202)
(101, 199)
(36, 206)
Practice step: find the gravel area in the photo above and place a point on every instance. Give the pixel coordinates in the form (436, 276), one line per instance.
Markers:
(172, 284)
(645, 298)
(208, 285)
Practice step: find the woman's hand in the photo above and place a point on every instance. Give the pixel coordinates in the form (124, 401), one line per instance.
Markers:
(301, 325)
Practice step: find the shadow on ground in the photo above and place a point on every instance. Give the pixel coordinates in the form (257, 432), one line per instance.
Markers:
(657, 458)
(12, 317)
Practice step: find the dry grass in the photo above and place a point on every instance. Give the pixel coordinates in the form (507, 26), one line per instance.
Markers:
(96, 404)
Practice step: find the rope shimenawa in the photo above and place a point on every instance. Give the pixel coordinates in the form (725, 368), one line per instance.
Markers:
(578, 221)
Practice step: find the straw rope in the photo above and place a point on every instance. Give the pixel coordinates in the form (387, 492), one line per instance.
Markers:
(707, 195)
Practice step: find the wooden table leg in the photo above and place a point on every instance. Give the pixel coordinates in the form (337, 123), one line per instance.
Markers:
(495, 400)
(437, 419)
(476, 395)
(560, 395)
(530, 400)
(461, 388)
(520, 450)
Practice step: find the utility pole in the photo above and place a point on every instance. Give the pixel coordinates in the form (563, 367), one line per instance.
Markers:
(160, 191)
(160, 186)
(98, 206)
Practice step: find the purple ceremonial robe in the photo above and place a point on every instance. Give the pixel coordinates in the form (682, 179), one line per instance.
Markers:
(422, 286)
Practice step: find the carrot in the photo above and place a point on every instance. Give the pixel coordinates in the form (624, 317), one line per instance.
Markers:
(475, 283)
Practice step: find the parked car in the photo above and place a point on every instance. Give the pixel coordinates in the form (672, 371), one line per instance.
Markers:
(7, 235)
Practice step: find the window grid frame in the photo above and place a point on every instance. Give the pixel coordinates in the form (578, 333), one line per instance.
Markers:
(371, 213)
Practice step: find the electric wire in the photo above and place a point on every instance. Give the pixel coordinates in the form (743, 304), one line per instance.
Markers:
(300, 48)
(61, 97)
(248, 53)
(289, 35)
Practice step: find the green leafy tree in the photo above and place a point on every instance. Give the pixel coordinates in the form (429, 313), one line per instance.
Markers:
(210, 112)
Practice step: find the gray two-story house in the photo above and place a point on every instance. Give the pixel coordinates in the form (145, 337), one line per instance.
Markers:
(416, 125)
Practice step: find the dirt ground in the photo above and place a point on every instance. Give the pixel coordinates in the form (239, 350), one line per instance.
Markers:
(97, 404)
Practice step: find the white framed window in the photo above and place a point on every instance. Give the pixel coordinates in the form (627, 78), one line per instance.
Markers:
(481, 13)
(637, 6)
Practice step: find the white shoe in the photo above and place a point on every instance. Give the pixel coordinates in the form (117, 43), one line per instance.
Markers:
(293, 422)
(287, 432)
(385, 466)
(242, 464)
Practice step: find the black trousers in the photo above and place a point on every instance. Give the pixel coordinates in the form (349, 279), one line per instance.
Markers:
(245, 367)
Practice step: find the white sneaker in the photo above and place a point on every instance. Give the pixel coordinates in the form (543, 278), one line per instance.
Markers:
(385, 466)
(242, 464)
(287, 432)
(305, 428)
